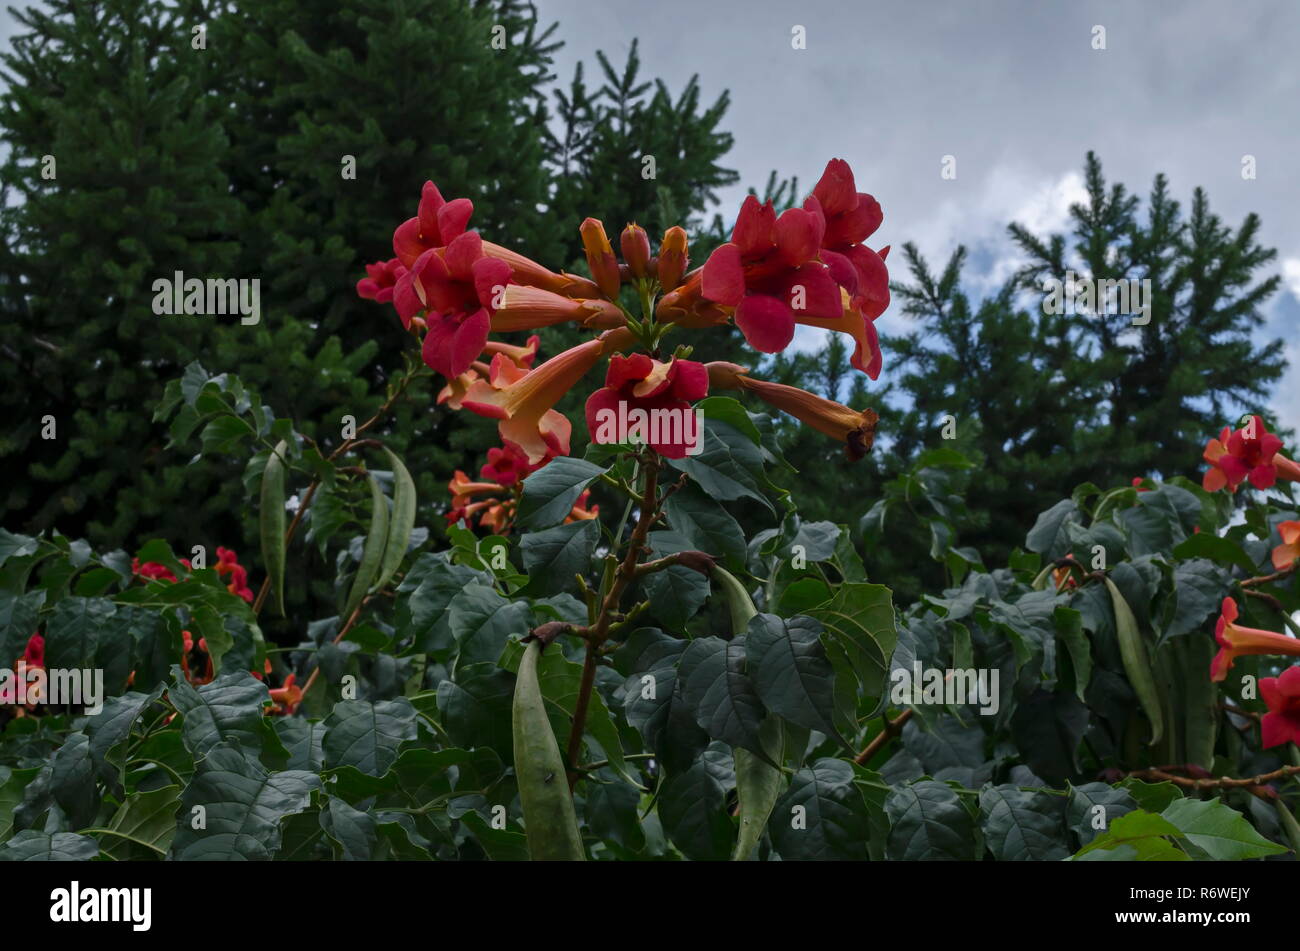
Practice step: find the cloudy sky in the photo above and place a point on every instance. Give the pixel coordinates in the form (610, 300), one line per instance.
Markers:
(1013, 89)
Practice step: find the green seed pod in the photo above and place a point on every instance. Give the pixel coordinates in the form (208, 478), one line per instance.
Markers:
(1137, 662)
(549, 819)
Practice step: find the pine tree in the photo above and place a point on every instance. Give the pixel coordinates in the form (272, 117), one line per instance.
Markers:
(115, 162)
(1043, 401)
(1193, 366)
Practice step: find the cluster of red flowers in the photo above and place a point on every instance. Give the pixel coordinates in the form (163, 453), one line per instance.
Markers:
(227, 564)
(807, 266)
(502, 480)
(1237, 455)
(196, 662)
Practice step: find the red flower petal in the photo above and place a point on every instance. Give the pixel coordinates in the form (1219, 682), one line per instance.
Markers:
(406, 241)
(873, 280)
(841, 270)
(820, 295)
(431, 202)
(799, 235)
(623, 370)
(766, 322)
(723, 280)
(855, 226)
(490, 277)
(452, 219)
(1263, 477)
(453, 342)
(835, 190)
(690, 380)
(755, 228)
(460, 255)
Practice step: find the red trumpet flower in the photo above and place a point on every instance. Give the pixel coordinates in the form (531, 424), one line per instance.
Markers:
(1247, 453)
(1236, 641)
(1282, 695)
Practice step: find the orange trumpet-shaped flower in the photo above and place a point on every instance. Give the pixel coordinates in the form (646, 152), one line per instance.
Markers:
(1285, 554)
(454, 392)
(600, 257)
(523, 399)
(286, 697)
(527, 308)
(856, 429)
(461, 488)
(525, 270)
(523, 356)
(1237, 641)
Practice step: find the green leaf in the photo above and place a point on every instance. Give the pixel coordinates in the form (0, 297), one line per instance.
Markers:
(928, 822)
(228, 708)
(18, 620)
(822, 816)
(555, 556)
(677, 593)
(1093, 807)
(110, 729)
(475, 709)
(143, 826)
(1199, 589)
(730, 465)
(1049, 536)
(367, 734)
(353, 831)
(373, 550)
(706, 525)
(1022, 826)
(1069, 628)
(32, 846)
(481, 622)
(1136, 835)
(550, 493)
(403, 519)
(1222, 550)
(719, 694)
(1221, 831)
(790, 670)
(16, 546)
(242, 806)
(72, 632)
(271, 522)
(861, 618)
(692, 807)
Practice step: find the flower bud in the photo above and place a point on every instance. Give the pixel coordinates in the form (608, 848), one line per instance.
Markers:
(636, 249)
(600, 258)
(672, 258)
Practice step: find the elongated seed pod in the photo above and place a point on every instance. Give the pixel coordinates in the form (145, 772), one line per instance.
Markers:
(1137, 662)
(271, 521)
(549, 820)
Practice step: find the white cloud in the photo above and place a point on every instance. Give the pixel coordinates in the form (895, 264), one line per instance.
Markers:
(1291, 275)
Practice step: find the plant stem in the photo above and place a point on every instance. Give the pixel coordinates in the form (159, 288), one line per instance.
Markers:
(599, 630)
(891, 730)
